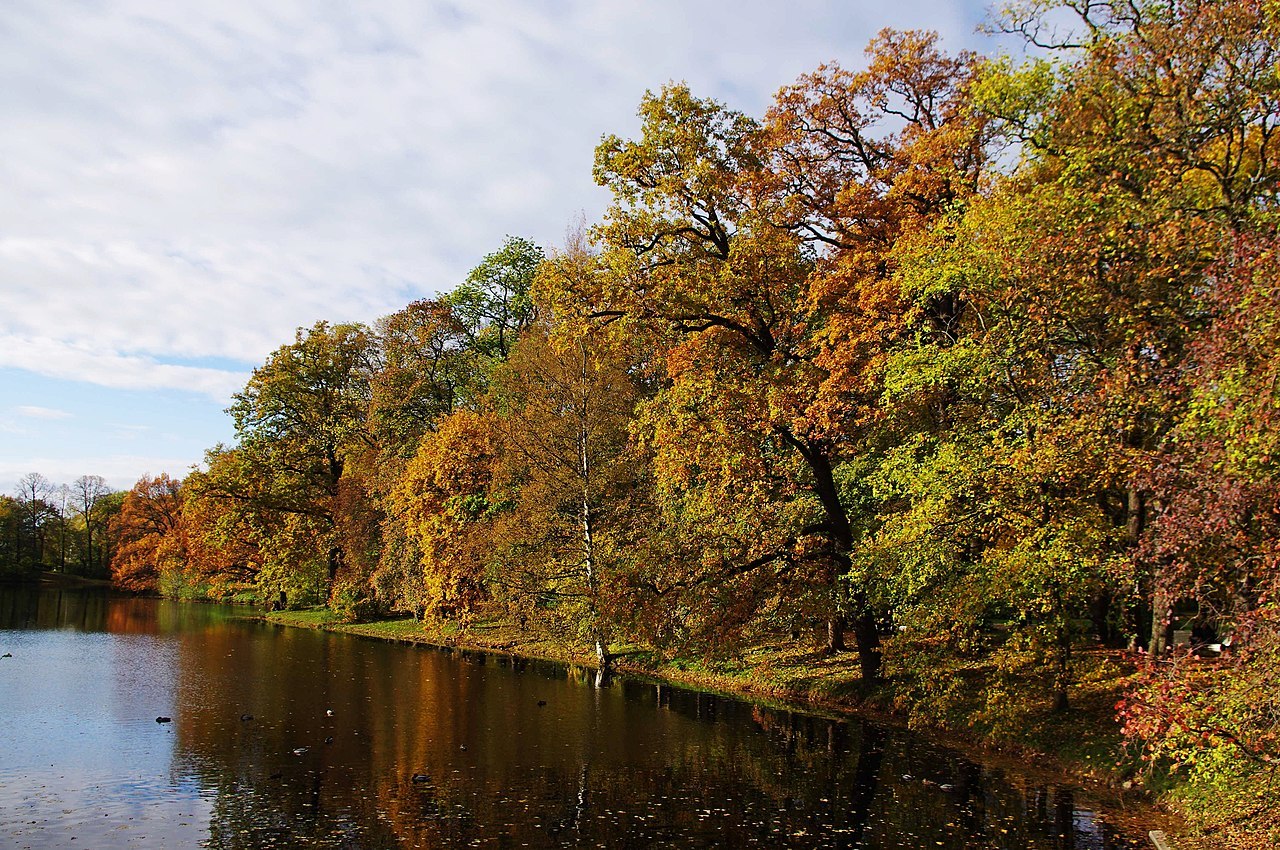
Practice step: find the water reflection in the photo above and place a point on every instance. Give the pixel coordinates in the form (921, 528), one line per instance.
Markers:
(361, 744)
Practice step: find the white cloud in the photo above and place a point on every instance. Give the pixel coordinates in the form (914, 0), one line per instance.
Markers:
(32, 411)
(59, 359)
(199, 180)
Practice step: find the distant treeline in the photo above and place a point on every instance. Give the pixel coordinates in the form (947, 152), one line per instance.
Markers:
(65, 528)
(971, 364)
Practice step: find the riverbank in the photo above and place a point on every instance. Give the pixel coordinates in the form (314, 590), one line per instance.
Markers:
(1082, 745)
(48, 578)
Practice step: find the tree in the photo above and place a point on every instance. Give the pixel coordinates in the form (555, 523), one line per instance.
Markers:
(765, 249)
(151, 534)
(297, 419)
(88, 491)
(61, 498)
(34, 492)
(445, 500)
(226, 532)
(10, 535)
(493, 303)
(564, 403)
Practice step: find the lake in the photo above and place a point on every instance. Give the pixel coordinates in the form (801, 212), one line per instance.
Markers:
(284, 737)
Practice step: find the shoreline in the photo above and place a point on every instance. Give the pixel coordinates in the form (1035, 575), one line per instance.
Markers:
(1138, 808)
(50, 578)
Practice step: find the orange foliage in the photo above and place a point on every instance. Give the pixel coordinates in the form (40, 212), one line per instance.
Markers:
(150, 532)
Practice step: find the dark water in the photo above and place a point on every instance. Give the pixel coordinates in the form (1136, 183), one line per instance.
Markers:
(83, 762)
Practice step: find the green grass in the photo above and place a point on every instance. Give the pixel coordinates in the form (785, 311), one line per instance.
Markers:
(311, 618)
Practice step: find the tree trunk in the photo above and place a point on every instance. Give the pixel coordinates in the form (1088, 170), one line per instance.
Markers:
(867, 635)
(835, 634)
(840, 532)
(1161, 623)
(587, 517)
(1135, 515)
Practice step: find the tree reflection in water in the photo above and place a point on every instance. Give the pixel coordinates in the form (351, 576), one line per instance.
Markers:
(520, 753)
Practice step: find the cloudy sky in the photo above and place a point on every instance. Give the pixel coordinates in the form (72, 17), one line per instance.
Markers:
(187, 183)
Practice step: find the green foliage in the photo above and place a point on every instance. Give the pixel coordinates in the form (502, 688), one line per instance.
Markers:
(181, 584)
(289, 578)
(493, 304)
(354, 603)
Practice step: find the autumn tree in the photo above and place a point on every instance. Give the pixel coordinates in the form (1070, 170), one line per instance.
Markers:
(151, 534)
(563, 405)
(226, 535)
(297, 419)
(765, 248)
(446, 501)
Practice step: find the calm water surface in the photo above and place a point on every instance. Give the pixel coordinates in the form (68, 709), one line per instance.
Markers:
(505, 754)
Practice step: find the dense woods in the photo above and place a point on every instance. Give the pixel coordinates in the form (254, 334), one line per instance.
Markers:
(967, 366)
(64, 528)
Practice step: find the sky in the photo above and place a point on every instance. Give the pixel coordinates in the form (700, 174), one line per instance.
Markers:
(185, 184)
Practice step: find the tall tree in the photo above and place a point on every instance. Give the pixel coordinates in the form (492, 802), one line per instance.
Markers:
(564, 404)
(88, 491)
(151, 534)
(297, 419)
(765, 250)
(34, 492)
